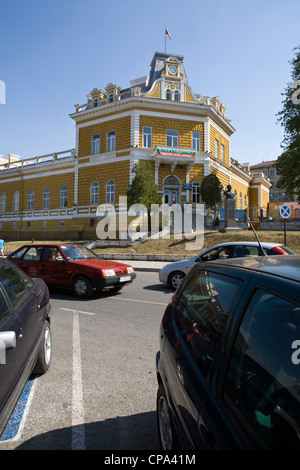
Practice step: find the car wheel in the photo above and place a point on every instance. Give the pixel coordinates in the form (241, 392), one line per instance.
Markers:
(45, 351)
(175, 279)
(164, 421)
(82, 287)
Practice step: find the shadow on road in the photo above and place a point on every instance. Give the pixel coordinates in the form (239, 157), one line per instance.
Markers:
(136, 432)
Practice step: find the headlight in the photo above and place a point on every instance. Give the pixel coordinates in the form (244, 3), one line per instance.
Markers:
(130, 270)
(108, 272)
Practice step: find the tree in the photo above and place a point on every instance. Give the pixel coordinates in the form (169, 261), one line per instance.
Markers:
(211, 190)
(288, 164)
(143, 189)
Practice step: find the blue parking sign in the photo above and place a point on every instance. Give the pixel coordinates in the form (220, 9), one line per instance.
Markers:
(285, 211)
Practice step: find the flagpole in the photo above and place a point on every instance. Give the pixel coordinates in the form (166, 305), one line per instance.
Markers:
(165, 41)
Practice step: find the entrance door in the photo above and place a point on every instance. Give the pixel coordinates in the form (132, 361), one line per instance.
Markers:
(171, 196)
(171, 189)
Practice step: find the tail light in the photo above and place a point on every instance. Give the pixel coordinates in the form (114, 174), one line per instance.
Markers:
(279, 251)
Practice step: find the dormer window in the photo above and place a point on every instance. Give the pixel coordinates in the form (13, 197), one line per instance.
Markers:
(172, 95)
(111, 98)
(95, 102)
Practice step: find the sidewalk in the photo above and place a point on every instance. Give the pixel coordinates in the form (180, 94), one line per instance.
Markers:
(151, 263)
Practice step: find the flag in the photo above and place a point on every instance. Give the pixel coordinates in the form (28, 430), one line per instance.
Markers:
(168, 34)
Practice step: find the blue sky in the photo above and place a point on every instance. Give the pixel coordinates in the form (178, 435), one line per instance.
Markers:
(53, 53)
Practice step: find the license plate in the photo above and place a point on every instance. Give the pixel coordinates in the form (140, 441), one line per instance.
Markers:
(124, 278)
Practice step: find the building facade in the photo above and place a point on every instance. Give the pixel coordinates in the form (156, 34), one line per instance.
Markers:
(159, 119)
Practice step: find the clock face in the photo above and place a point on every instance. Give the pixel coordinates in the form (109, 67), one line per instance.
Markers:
(172, 69)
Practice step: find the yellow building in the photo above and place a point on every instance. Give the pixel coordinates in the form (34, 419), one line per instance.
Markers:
(185, 136)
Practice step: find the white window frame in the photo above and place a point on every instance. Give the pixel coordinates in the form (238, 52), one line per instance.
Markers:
(147, 137)
(196, 192)
(172, 138)
(46, 198)
(216, 148)
(63, 196)
(110, 192)
(30, 200)
(16, 201)
(94, 193)
(111, 141)
(96, 144)
(3, 202)
(196, 139)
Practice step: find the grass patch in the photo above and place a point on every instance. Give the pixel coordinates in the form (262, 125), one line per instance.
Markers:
(175, 246)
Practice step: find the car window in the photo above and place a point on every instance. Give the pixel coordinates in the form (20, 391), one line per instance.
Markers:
(4, 310)
(33, 254)
(16, 283)
(19, 253)
(51, 253)
(262, 384)
(218, 253)
(201, 312)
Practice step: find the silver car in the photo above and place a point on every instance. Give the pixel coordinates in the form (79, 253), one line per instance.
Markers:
(173, 273)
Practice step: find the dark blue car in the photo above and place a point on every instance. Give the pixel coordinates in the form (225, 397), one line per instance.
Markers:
(25, 335)
(228, 368)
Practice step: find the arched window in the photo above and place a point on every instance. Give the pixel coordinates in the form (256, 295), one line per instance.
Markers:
(168, 94)
(111, 98)
(30, 199)
(95, 193)
(63, 196)
(16, 201)
(110, 192)
(46, 198)
(196, 192)
(241, 201)
(3, 202)
(245, 201)
(96, 102)
(176, 95)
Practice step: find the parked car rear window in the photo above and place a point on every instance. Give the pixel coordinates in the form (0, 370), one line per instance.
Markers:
(263, 380)
(16, 283)
(201, 313)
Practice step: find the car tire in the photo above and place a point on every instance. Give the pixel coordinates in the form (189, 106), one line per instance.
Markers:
(175, 279)
(44, 352)
(165, 426)
(82, 287)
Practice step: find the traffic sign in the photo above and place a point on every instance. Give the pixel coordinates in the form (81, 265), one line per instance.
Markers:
(285, 211)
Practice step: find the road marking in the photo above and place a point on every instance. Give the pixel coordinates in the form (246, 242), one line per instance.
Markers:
(76, 311)
(78, 431)
(139, 301)
(16, 423)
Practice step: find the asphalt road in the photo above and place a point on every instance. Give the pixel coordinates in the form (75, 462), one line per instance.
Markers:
(100, 391)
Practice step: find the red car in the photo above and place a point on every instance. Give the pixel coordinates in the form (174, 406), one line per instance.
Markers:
(73, 266)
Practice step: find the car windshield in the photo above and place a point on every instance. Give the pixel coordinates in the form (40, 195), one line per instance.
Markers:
(75, 252)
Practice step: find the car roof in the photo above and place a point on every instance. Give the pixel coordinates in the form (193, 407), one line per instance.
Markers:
(284, 266)
(250, 243)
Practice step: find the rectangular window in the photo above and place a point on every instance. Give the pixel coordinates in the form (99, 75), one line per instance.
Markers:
(216, 149)
(201, 313)
(111, 141)
(262, 383)
(96, 144)
(222, 153)
(147, 137)
(196, 141)
(172, 138)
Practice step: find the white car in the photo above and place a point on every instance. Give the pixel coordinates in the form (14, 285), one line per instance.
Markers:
(173, 273)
